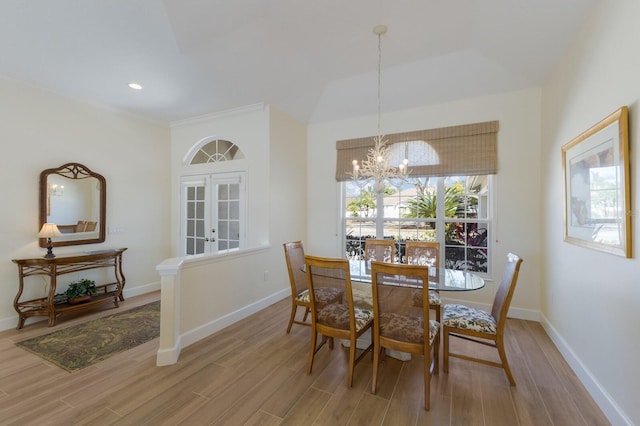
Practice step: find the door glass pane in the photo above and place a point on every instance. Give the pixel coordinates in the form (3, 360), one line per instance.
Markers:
(223, 210)
(200, 227)
(234, 209)
(234, 192)
(199, 246)
(228, 219)
(223, 192)
(223, 230)
(195, 232)
(234, 230)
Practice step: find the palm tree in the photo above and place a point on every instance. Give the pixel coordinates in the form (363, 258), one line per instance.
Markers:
(424, 205)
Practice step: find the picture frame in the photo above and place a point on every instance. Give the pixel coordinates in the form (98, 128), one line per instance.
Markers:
(596, 186)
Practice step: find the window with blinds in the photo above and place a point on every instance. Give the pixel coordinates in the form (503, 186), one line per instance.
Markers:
(447, 196)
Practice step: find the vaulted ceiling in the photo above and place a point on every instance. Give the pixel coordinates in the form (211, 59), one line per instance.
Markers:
(316, 60)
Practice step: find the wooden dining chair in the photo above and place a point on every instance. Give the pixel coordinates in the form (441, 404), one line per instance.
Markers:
(399, 324)
(341, 320)
(425, 253)
(480, 326)
(294, 256)
(380, 250)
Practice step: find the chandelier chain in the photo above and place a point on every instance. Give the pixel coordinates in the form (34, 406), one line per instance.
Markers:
(379, 79)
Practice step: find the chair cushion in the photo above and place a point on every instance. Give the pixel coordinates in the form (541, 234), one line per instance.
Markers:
(465, 317)
(434, 298)
(406, 329)
(337, 316)
(324, 296)
(362, 297)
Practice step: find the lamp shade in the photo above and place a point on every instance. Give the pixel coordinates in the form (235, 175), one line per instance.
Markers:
(49, 230)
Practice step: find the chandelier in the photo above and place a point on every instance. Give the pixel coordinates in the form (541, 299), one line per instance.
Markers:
(377, 166)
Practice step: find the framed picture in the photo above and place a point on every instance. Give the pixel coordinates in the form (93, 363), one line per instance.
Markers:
(596, 187)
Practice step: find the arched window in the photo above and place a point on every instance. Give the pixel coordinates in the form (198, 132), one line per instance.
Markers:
(215, 151)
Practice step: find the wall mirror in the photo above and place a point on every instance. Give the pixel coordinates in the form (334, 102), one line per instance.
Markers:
(75, 199)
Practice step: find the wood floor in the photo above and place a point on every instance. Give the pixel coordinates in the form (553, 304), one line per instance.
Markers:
(253, 373)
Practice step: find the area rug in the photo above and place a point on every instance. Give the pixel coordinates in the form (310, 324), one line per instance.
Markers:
(85, 344)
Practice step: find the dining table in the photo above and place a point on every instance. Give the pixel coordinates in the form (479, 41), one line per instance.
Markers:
(440, 279)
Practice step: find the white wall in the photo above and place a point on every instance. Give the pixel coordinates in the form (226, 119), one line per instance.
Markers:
(517, 185)
(288, 197)
(40, 130)
(590, 300)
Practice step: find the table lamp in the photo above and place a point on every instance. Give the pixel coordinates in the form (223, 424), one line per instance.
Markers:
(48, 231)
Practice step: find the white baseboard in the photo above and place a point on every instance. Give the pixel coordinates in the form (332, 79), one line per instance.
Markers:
(9, 323)
(607, 404)
(143, 289)
(168, 356)
(206, 330)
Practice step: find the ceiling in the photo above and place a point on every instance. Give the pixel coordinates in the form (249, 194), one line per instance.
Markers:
(316, 60)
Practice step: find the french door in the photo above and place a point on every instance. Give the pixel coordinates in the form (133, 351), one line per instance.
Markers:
(212, 216)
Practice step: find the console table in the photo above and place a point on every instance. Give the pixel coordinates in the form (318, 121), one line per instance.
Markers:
(109, 292)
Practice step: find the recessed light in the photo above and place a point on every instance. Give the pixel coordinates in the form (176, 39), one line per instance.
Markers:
(135, 86)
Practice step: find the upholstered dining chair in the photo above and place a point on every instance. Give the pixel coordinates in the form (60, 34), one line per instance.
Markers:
(425, 253)
(341, 320)
(380, 250)
(399, 324)
(294, 256)
(480, 326)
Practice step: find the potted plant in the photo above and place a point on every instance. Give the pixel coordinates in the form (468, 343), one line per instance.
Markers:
(78, 292)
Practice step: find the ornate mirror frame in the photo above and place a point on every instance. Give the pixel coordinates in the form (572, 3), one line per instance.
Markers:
(73, 171)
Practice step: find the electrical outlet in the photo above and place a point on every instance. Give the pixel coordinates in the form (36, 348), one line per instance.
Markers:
(266, 276)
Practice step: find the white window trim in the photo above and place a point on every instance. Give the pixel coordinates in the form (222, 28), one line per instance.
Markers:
(491, 222)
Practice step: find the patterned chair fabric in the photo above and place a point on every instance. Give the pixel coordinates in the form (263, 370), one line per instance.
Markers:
(337, 316)
(324, 296)
(407, 328)
(465, 317)
(434, 298)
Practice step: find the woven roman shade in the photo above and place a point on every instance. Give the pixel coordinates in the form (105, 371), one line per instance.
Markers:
(467, 150)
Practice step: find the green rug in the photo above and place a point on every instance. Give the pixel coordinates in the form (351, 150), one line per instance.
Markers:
(83, 345)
